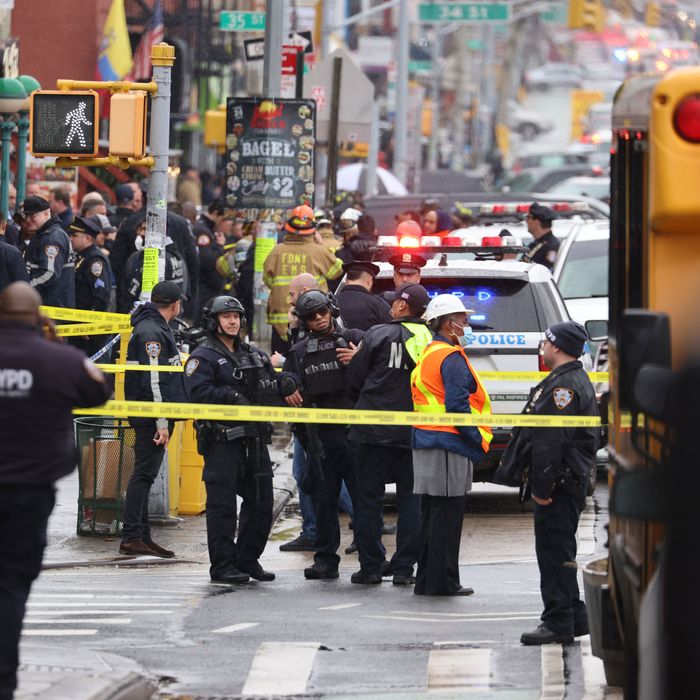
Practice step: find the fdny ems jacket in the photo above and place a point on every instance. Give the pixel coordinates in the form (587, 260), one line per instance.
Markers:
(152, 343)
(380, 377)
(93, 280)
(40, 384)
(51, 265)
(359, 309)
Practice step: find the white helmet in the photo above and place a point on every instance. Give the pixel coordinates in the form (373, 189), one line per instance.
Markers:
(444, 304)
(350, 214)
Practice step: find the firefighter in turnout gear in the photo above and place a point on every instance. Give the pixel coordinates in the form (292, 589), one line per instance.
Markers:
(226, 370)
(314, 375)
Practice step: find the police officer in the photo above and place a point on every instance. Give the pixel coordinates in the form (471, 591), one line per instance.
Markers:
(380, 376)
(40, 384)
(93, 275)
(543, 250)
(49, 256)
(407, 267)
(559, 460)
(314, 375)
(151, 343)
(358, 308)
(226, 370)
(12, 267)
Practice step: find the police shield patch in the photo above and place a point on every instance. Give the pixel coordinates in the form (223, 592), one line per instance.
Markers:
(153, 349)
(51, 251)
(96, 268)
(562, 397)
(191, 366)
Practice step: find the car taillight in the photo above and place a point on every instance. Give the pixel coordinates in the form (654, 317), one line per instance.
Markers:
(541, 365)
(686, 119)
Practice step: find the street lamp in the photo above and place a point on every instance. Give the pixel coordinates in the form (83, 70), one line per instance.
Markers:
(30, 84)
(12, 99)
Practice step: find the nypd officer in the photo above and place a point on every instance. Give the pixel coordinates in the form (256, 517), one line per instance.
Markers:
(560, 460)
(544, 248)
(380, 378)
(407, 268)
(226, 370)
(358, 308)
(40, 384)
(314, 375)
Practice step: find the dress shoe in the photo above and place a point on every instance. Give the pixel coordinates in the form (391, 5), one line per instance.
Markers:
(581, 629)
(161, 551)
(300, 544)
(352, 548)
(361, 577)
(543, 635)
(402, 580)
(386, 568)
(230, 576)
(463, 590)
(257, 572)
(137, 548)
(388, 529)
(320, 572)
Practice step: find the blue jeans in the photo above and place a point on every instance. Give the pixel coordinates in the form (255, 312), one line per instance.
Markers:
(308, 514)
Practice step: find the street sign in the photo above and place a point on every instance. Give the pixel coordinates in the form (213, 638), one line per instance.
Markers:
(271, 155)
(464, 12)
(230, 21)
(557, 13)
(255, 48)
(420, 67)
(63, 123)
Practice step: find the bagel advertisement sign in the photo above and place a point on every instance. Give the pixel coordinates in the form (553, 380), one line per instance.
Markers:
(271, 154)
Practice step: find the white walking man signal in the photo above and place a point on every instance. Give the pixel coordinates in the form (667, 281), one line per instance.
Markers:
(76, 118)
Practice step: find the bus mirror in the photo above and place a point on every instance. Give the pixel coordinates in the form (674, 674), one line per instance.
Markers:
(645, 339)
(652, 391)
(597, 330)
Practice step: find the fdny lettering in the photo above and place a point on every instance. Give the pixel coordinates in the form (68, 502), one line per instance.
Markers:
(294, 264)
(500, 339)
(15, 382)
(395, 356)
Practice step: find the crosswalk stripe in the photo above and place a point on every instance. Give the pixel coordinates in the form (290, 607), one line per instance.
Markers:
(31, 604)
(281, 668)
(459, 669)
(58, 633)
(407, 618)
(85, 621)
(468, 615)
(552, 665)
(44, 613)
(106, 596)
(342, 606)
(235, 628)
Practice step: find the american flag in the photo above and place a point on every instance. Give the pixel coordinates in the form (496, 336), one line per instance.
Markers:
(153, 34)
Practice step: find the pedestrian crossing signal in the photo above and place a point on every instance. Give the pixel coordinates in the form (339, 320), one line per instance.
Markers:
(64, 123)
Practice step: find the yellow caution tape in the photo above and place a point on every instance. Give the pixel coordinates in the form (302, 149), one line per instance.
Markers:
(111, 369)
(533, 376)
(93, 328)
(275, 414)
(104, 317)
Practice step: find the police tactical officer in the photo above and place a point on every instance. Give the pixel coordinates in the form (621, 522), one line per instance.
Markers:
(151, 343)
(358, 308)
(543, 250)
(314, 375)
(380, 376)
(40, 384)
(558, 461)
(226, 370)
(49, 256)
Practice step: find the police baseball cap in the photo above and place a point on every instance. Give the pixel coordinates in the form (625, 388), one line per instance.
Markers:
(568, 336)
(166, 293)
(32, 205)
(540, 212)
(363, 265)
(81, 224)
(124, 193)
(407, 262)
(413, 294)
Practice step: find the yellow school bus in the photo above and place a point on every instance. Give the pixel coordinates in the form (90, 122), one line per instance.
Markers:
(654, 288)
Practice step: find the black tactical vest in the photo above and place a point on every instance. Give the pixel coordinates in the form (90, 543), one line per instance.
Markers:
(322, 371)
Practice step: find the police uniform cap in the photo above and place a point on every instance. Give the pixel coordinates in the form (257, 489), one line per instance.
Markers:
(541, 213)
(413, 294)
(363, 265)
(32, 205)
(124, 193)
(166, 293)
(568, 336)
(81, 224)
(407, 262)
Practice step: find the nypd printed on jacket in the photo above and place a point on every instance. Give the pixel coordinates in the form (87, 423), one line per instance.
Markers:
(93, 280)
(51, 265)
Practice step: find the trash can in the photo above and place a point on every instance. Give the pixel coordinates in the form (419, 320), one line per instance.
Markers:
(106, 462)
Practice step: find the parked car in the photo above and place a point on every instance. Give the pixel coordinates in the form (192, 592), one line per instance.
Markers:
(542, 158)
(542, 179)
(584, 185)
(554, 75)
(527, 122)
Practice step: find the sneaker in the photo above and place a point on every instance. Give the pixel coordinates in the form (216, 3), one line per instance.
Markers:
(543, 635)
(161, 551)
(352, 548)
(257, 572)
(402, 580)
(317, 572)
(361, 577)
(300, 544)
(137, 548)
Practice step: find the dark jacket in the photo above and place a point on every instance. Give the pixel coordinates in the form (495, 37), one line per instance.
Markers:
(120, 215)
(543, 251)
(12, 267)
(65, 219)
(51, 265)
(93, 279)
(359, 309)
(152, 343)
(554, 454)
(380, 378)
(40, 384)
(211, 283)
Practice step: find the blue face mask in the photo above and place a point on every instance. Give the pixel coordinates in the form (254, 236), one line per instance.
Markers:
(466, 339)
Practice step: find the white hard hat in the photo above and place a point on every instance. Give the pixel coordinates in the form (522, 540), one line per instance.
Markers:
(350, 214)
(444, 304)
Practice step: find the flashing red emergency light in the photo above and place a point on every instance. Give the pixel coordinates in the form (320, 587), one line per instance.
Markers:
(499, 209)
(522, 209)
(561, 206)
(541, 364)
(491, 241)
(686, 119)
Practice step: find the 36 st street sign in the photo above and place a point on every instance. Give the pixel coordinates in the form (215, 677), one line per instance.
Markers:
(465, 12)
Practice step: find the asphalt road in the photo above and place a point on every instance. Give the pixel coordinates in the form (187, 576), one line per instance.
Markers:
(295, 638)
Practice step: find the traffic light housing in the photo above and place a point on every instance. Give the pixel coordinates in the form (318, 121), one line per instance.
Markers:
(64, 123)
(652, 15)
(586, 14)
(127, 124)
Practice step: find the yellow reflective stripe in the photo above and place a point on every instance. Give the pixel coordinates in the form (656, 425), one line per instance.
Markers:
(335, 271)
(277, 318)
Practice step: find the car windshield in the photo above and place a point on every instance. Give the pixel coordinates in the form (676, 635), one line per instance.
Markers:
(585, 271)
(499, 305)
